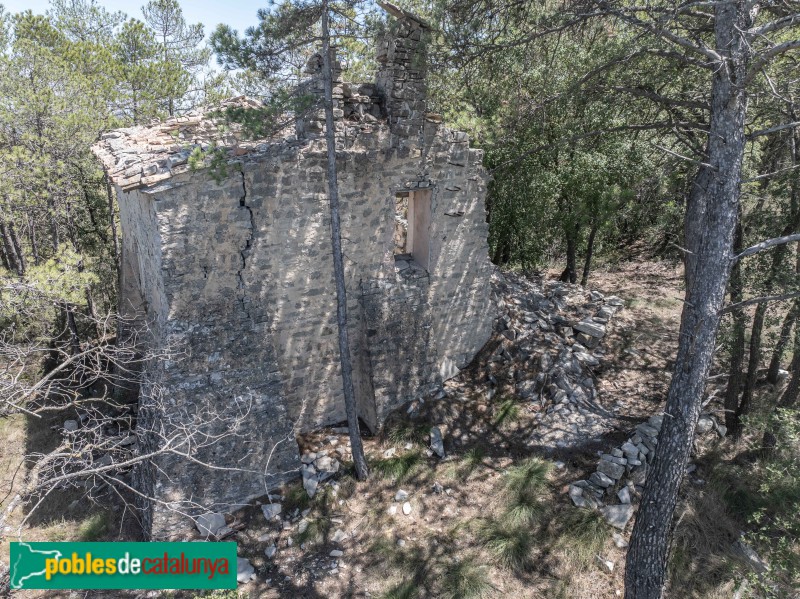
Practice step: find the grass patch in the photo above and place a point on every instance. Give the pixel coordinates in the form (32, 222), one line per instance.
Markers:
(508, 411)
(295, 497)
(407, 589)
(316, 531)
(470, 461)
(405, 431)
(398, 468)
(58, 531)
(465, 579)
(95, 527)
(510, 543)
(583, 534)
(525, 484)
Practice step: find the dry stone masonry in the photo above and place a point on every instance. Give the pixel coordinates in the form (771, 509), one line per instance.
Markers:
(234, 277)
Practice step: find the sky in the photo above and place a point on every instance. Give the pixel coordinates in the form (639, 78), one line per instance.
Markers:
(239, 14)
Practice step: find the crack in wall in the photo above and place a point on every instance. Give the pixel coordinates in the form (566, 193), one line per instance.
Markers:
(243, 253)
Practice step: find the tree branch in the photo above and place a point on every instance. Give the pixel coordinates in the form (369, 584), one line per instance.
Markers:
(764, 57)
(777, 24)
(774, 129)
(766, 245)
(759, 300)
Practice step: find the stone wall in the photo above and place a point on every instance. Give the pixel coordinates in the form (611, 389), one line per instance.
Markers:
(239, 277)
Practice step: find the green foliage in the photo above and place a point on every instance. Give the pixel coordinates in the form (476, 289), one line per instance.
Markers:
(65, 78)
(406, 431)
(469, 463)
(509, 541)
(95, 527)
(465, 579)
(407, 589)
(215, 160)
(316, 531)
(509, 536)
(582, 533)
(507, 412)
(765, 497)
(399, 468)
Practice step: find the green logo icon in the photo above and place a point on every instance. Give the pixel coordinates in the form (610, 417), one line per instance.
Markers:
(200, 565)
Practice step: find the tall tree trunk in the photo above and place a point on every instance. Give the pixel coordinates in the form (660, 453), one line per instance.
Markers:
(589, 251)
(711, 218)
(17, 247)
(788, 399)
(778, 260)
(753, 362)
(34, 242)
(783, 340)
(4, 258)
(55, 239)
(14, 262)
(570, 274)
(792, 392)
(114, 239)
(735, 374)
(72, 327)
(359, 460)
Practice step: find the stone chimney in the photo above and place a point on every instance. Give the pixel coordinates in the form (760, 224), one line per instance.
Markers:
(402, 58)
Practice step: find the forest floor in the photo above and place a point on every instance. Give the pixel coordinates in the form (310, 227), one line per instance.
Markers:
(492, 518)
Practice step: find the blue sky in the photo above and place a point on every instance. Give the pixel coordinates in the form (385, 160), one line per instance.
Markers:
(239, 14)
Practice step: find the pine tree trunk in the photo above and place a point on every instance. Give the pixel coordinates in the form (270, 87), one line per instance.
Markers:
(17, 248)
(789, 398)
(589, 251)
(783, 341)
(711, 217)
(735, 374)
(569, 275)
(34, 242)
(4, 258)
(359, 460)
(778, 260)
(72, 328)
(792, 392)
(114, 239)
(753, 362)
(13, 259)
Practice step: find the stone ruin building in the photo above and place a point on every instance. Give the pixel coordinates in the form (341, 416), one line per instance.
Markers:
(235, 277)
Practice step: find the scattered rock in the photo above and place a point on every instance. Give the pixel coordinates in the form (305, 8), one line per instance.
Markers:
(338, 536)
(437, 444)
(71, 426)
(407, 508)
(270, 551)
(401, 495)
(244, 570)
(605, 564)
(752, 558)
(271, 510)
(336, 553)
(210, 524)
(592, 329)
(704, 425)
(310, 484)
(617, 515)
(619, 540)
